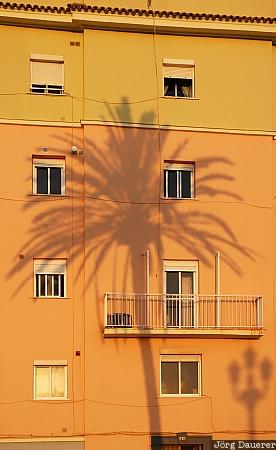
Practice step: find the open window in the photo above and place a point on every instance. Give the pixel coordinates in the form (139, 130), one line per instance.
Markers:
(179, 78)
(47, 74)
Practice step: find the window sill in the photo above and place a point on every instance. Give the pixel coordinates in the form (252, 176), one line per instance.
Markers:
(52, 399)
(49, 195)
(180, 98)
(181, 396)
(181, 199)
(45, 94)
(50, 298)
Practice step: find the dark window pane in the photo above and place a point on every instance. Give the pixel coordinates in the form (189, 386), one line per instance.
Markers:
(184, 87)
(172, 283)
(186, 184)
(189, 377)
(172, 183)
(55, 180)
(38, 88)
(169, 87)
(42, 285)
(54, 89)
(36, 286)
(169, 378)
(56, 278)
(165, 182)
(42, 180)
(61, 285)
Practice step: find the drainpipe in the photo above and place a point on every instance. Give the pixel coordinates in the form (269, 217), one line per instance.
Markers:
(147, 271)
(147, 288)
(218, 287)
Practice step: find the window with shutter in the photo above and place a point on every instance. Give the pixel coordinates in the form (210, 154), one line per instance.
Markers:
(47, 74)
(49, 176)
(49, 278)
(178, 76)
(179, 180)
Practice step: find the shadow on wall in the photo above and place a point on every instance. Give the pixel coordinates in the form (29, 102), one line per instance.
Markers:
(250, 382)
(122, 195)
(124, 213)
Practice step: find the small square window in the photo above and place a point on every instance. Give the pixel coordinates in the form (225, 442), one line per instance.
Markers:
(180, 375)
(50, 380)
(50, 278)
(48, 176)
(178, 76)
(47, 74)
(178, 180)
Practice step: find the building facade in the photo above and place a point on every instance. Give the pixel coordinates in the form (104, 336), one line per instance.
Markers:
(138, 248)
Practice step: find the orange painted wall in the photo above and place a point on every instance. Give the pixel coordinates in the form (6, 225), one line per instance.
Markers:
(232, 213)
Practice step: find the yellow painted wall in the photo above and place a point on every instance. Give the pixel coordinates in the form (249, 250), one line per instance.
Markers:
(18, 102)
(232, 80)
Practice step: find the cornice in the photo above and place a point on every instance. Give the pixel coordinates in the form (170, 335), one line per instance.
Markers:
(73, 7)
(77, 17)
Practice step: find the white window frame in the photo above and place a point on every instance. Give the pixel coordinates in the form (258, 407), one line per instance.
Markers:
(179, 63)
(49, 163)
(50, 364)
(179, 359)
(47, 59)
(181, 266)
(179, 167)
(49, 262)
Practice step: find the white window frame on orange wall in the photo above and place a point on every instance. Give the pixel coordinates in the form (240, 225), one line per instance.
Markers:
(182, 359)
(49, 365)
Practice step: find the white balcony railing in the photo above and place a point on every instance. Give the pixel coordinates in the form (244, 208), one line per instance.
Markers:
(173, 311)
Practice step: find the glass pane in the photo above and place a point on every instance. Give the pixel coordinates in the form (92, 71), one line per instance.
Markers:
(185, 184)
(172, 183)
(187, 284)
(169, 87)
(172, 282)
(55, 180)
(184, 87)
(58, 381)
(36, 285)
(61, 285)
(56, 290)
(49, 285)
(189, 377)
(42, 382)
(169, 378)
(42, 180)
(42, 285)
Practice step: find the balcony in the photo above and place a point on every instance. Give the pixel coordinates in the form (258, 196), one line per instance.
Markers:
(183, 315)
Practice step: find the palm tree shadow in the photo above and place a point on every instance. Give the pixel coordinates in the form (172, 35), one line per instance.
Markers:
(125, 215)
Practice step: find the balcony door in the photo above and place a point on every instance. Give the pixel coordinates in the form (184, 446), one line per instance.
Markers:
(181, 285)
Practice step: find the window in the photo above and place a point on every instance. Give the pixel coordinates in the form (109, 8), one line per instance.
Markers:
(179, 180)
(50, 277)
(181, 286)
(178, 78)
(180, 375)
(47, 74)
(50, 380)
(48, 176)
